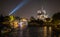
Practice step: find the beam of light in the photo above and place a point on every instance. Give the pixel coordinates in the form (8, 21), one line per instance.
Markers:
(19, 6)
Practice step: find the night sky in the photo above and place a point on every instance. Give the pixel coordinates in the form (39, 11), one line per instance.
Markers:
(29, 9)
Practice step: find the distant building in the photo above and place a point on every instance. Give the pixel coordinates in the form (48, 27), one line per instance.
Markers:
(41, 14)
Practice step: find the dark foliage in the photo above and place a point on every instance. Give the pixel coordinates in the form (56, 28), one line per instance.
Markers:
(56, 16)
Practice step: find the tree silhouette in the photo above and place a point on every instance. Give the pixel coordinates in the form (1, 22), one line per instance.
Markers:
(40, 22)
(4, 23)
(1, 18)
(56, 23)
(56, 16)
(32, 18)
(35, 22)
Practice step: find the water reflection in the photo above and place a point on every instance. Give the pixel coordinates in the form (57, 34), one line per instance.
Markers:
(36, 32)
(45, 31)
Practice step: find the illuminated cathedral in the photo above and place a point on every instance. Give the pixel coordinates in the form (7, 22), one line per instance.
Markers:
(41, 14)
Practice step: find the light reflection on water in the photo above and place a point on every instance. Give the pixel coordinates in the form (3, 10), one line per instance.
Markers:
(37, 32)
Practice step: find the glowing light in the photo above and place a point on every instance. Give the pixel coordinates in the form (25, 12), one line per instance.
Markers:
(19, 6)
(45, 31)
(23, 23)
(11, 18)
(42, 14)
(15, 24)
(38, 11)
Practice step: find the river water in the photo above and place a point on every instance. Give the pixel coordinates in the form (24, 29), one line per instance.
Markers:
(35, 32)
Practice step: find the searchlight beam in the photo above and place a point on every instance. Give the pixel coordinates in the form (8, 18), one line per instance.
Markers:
(19, 6)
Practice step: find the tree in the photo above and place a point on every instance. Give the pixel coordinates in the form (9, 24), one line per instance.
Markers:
(35, 22)
(56, 23)
(32, 18)
(1, 18)
(56, 16)
(40, 22)
(47, 22)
